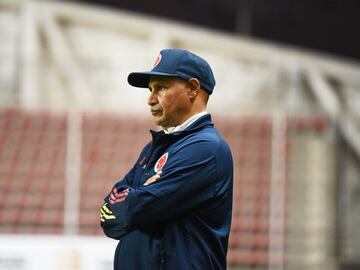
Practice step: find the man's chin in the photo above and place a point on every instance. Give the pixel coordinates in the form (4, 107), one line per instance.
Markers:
(157, 120)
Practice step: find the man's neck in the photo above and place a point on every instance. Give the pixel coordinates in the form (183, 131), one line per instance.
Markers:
(185, 124)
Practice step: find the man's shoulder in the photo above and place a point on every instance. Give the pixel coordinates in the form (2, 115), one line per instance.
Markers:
(207, 138)
(211, 134)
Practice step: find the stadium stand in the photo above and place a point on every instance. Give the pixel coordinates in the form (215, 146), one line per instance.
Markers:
(32, 166)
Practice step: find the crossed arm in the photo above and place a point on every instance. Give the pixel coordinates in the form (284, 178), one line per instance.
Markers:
(186, 181)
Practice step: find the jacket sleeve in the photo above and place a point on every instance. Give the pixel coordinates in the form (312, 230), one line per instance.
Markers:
(112, 226)
(187, 180)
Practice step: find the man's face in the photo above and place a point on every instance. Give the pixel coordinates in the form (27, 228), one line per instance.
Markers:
(169, 101)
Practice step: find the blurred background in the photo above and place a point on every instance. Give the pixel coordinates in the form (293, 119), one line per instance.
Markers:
(287, 101)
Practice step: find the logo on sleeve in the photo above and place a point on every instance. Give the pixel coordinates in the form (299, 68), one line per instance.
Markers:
(161, 162)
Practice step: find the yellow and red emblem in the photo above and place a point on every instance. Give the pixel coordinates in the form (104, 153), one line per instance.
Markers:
(161, 162)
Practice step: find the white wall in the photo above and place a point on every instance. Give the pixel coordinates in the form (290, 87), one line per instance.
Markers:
(25, 252)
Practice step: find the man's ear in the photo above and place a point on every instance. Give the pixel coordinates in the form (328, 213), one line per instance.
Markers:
(194, 87)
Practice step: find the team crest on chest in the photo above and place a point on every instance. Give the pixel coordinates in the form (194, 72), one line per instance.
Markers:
(160, 163)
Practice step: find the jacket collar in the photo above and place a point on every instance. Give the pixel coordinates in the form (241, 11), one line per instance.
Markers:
(186, 124)
(200, 123)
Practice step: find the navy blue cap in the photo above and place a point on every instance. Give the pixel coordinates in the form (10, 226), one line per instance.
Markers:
(177, 63)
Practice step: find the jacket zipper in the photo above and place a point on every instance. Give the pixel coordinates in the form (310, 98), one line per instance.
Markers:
(149, 156)
(162, 259)
(153, 146)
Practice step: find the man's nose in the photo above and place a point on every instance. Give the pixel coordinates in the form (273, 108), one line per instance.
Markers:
(152, 99)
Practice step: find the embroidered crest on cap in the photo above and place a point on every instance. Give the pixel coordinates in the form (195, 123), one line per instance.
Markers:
(157, 61)
(161, 162)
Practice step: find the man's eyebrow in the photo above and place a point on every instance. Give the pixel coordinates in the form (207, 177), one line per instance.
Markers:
(161, 81)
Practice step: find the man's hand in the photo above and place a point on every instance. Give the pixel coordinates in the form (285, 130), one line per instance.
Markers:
(153, 179)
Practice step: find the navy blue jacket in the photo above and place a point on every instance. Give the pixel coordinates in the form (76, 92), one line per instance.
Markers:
(181, 221)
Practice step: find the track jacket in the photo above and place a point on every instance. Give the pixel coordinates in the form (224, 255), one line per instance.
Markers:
(181, 221)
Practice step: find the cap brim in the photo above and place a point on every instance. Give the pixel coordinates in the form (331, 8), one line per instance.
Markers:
(142, 79)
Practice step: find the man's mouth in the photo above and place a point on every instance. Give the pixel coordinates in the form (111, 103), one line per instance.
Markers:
(155, 112)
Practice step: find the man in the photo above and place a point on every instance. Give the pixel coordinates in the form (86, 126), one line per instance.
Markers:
(173, 209)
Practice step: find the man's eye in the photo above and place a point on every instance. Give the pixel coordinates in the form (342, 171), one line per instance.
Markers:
(157, 88)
